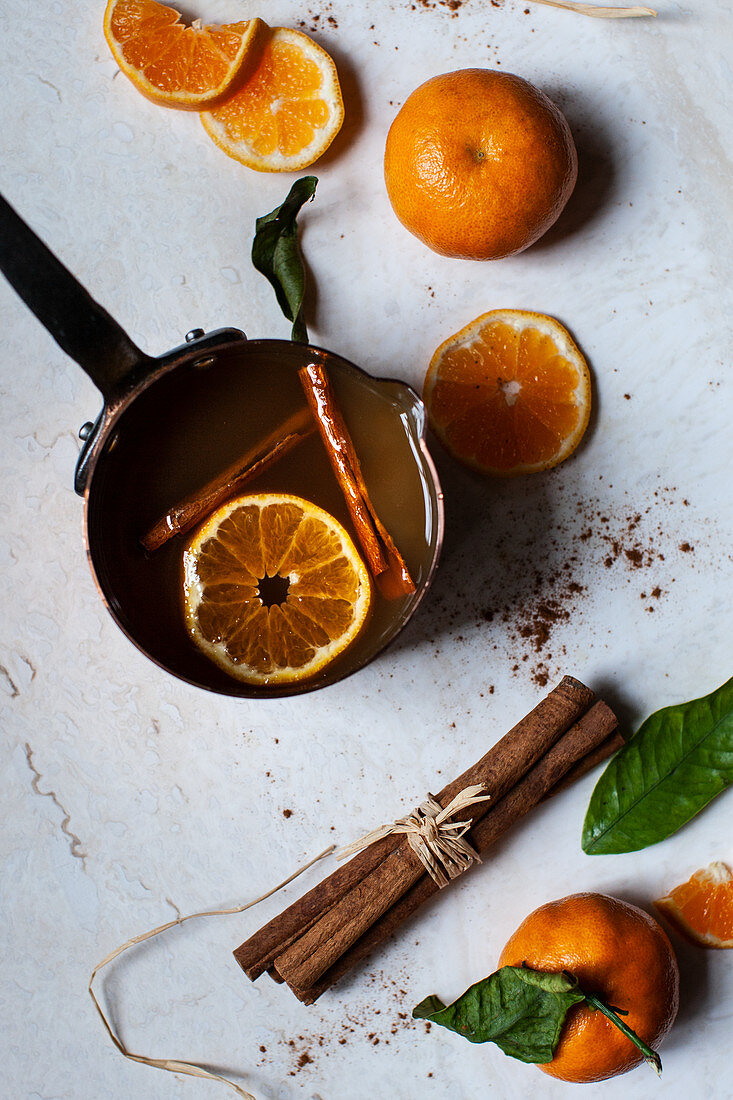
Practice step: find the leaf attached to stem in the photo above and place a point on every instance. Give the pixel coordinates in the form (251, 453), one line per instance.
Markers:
(523, 1011)
(519, 1009)
(276, 253)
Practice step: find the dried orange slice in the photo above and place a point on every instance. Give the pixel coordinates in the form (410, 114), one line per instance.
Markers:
(174, 64)
(274, 588)
(288, 110)
(702, 907)
(510, 393)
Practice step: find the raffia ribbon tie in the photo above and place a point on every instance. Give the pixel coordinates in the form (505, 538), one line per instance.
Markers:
(176, 1065)
(438, 843)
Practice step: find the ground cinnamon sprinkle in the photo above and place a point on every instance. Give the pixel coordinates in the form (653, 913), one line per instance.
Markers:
(313, 21)
(451, 5)
(356, 1026)
(540, 562)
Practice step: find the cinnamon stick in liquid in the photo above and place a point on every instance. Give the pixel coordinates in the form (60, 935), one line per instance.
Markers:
(195, 508)
(391, 864)
(383, 558)
(592, 739)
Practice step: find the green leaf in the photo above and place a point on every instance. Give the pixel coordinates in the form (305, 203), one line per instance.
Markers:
(677, 761)
(427, 1008)
(519, 1009)
(276, 253)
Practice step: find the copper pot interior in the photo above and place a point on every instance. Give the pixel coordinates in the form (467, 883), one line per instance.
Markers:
(191, 422)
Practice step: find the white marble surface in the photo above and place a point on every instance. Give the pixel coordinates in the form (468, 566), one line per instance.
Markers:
(128, 796)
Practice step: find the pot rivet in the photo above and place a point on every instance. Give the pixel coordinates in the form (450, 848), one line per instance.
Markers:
(194, 334)
(86, 430)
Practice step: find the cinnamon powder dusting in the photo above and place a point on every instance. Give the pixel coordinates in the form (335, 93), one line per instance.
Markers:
(321, 19)
(452, 5)
(541, 562)
(383, 1016)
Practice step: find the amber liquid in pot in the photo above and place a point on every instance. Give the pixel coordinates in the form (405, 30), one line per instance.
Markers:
(184, 431)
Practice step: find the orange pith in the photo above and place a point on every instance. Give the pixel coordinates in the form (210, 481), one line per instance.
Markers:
(702, 908)
(173, 64)
(616, 951)
(288, 110)
(509, 393)
(322, 601)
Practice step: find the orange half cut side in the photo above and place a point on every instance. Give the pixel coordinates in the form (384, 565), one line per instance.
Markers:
(177, 65)
(288, 110)
(510, 393)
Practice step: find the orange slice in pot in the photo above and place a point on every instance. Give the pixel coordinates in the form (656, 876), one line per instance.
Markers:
(274, 589)
(176, 65)
(510, 393)
(288, 110)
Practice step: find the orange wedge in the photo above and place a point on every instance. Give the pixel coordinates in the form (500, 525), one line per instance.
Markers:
(274, 589)
(702, 908)
(174, 64)
(288, 110)
(509, 394)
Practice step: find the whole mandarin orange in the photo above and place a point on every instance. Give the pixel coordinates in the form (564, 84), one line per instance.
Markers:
(616, 951)
(479, 164)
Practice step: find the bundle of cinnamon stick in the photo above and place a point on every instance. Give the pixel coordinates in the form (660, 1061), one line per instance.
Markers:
(348, 915)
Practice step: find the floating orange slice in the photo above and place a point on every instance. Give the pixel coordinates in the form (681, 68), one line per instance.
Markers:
(274, 589)
(702, 907)
(174, 64)
(288, 110)
(510, 393)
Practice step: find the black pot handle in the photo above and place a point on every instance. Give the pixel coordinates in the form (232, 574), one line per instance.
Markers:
(79, 325)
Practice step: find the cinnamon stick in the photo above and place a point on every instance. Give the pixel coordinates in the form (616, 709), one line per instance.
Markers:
(383, 558)
(258, 952)
(607, 748)
(187, 513)
(518, 750)
(303, 962)
(585, 744)
(335, 914)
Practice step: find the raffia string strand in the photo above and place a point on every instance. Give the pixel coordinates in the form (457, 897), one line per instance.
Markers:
(173, 1065)
(439, 844)
(599, 11)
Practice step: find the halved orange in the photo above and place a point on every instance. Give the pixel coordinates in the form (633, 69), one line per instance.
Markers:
(274, 588)
(510, 393)
(174, 64)
(702, 908)
(288, 110)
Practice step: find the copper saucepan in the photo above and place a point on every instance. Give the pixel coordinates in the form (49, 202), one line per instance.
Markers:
(157, 439)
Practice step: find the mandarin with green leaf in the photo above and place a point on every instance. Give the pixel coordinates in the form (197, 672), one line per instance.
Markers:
(616, 951)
